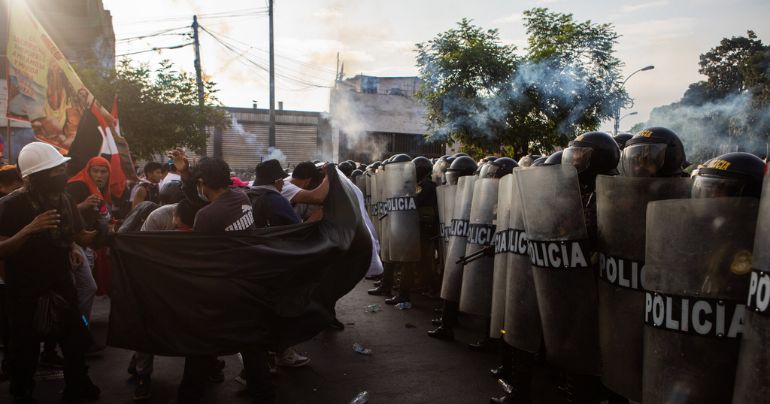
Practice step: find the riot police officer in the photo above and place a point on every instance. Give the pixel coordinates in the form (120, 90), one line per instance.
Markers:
(461, 171)
(425, 200)
(731, 174)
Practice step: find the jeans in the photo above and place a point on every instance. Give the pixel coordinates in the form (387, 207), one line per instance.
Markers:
(83, 278)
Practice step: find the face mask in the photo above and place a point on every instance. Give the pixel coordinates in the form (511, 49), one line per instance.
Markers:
(202, 195)
(50, 185)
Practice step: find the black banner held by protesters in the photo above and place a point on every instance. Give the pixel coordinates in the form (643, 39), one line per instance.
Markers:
(182, 294)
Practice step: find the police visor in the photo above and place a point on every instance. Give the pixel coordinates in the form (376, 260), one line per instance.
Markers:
(580, 157)
(711, 187)
(643, 160)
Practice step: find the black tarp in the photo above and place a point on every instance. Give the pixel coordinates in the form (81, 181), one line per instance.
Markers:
(181, 294)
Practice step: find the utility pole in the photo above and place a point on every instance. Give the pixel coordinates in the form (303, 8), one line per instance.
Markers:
(271, 133)
(199, 79)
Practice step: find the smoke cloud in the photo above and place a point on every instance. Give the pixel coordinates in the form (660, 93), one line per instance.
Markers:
(707, 130)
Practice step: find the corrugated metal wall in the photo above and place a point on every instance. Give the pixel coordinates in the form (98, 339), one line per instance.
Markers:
(244, 143)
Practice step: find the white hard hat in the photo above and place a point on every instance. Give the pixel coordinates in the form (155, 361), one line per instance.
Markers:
(39, 156)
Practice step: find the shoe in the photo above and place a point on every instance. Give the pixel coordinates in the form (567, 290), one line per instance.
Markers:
(484, 345)
(272, 363)
(396, 300)
(442, 333)
(436, 321)
(379, 291)
(218, 376)
(87, 391)
(143, 390)
(241, 378)
(378, 283)
(51, 359)
(373, 277)
(337, 324)
(500, 372)
(290, 358)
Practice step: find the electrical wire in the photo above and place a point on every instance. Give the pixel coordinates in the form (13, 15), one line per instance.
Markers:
(155, 49)
(239, 53)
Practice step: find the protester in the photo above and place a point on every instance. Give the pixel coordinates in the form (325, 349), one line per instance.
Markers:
(160, 219)
(147, 188)
(38, 227)
(307, 177)
(293, 186)
(268, 206)
(10, 181)
(226, 210)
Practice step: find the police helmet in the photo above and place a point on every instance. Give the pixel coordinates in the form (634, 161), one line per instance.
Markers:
(423, 167)
(399, 158)
(621, 139)
(592, 153)
(554, 159)
(527, 161)
(460, 167)
(653, 152)
(538, 162)
(731, 174)
(500, 167)
(346, 168)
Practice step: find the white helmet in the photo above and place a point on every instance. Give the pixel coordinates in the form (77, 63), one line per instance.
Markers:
(39, 156)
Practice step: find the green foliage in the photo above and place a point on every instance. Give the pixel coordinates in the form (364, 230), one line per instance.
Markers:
(158, 108)
(479, 91)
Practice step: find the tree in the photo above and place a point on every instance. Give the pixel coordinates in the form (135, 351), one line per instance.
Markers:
(730, 109)
(463, 70)
(479, 91)
(158, 108)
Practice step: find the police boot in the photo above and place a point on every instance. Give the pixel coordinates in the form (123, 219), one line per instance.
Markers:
(506, 363)
(384, 288)
(513, 394)
(442, 332)
(483, 345)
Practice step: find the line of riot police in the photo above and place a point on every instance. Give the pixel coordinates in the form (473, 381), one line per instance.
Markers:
(636, 281)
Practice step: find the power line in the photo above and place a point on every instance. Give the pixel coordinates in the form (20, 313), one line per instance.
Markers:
(155, 49)
(239, 53)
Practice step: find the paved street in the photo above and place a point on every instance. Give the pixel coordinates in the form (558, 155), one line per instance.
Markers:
(405, 366)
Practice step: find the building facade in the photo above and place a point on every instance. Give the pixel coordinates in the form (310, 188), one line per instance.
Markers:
(373, 118)
(244, 143)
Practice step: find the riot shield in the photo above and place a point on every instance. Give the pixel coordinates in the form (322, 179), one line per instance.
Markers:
(522, 317)
(476, 291)
(752, 380)
(696, 279)
(381, 214)
(441, 202)
(361, 184)
(368, 196)
(450, 199)
(621, 217)
(403, 219)
(501, 257)
(458, 233)
(565, 281)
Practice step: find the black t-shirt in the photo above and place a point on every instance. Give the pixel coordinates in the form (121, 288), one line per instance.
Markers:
(230, 212)
(42, 262)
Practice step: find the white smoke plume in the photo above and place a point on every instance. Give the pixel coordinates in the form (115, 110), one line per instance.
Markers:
(732, 123)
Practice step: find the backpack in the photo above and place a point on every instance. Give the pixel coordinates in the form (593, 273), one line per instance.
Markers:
(260, 205)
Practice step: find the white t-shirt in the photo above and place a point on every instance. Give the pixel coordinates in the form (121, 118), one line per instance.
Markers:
(168, 178)
(289, 190)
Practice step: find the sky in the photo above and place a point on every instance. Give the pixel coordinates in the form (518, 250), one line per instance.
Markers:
(377, 37)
